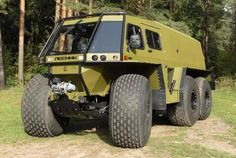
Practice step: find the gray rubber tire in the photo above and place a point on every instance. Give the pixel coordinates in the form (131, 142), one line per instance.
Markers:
(37, 116)
(205, 98)
(130, 111)
(186, 112)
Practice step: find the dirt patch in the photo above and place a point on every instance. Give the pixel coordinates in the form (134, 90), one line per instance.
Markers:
(68, 149)
(205, 133)
(163, 131)
(163, 128)
(97, 143)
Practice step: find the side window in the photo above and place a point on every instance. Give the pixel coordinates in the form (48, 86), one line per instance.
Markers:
(150, 39)
(133, 30)
(153, 40)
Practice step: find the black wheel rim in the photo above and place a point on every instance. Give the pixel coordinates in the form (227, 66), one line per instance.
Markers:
(194, 101)
(207, 100)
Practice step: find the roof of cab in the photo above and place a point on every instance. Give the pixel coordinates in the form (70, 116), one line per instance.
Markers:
(116, 16)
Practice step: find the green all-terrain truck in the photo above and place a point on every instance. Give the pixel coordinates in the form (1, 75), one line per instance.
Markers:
(121, 66)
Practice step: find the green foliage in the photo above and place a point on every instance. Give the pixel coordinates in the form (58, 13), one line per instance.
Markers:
(180, 26)
(226, 82)
(39, 25)
(234, 29)
(32, 67)
(76, 6)
(192, 17)
(164, 19)
(2, 5)
(10, 68)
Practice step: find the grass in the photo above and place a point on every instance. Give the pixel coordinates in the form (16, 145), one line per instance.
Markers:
(225, 108)
(180, 150)
(224, 101)
(10, 119)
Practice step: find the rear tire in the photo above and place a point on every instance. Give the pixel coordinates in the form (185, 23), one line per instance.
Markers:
(186, 112)
(37, 116)
(205, 98)
(130, 111)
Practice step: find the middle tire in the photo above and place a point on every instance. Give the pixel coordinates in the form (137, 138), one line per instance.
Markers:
(186, 112)
(130, 111)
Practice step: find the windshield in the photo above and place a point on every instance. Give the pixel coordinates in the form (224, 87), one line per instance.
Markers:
(74, 39)
(107, 38)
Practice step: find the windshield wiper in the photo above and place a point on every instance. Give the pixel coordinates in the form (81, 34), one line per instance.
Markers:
(74, 26)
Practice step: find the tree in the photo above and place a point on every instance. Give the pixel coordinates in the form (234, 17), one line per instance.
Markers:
(2, 74)
(205, 41)
(58, 10)
(233, 52)
(21, 42)
(234, 29)
(204, 18)
(63, 15)
(205, 23)
(138, 6)
(90, 6)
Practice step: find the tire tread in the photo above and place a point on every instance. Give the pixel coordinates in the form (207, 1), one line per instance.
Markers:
(38, 118)
(125, 110)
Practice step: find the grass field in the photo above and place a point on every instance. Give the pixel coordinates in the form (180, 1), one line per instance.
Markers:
(215, 137)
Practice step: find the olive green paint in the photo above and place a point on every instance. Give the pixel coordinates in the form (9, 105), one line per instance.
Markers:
(178, 52)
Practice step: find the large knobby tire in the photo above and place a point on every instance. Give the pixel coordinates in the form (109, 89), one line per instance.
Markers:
(186, 112)
(37, 115)
(205, 98)
(130, 111)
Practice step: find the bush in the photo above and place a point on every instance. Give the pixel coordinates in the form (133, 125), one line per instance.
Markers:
(165, 19)
(32, 67)
(10, 68)
(226, 82)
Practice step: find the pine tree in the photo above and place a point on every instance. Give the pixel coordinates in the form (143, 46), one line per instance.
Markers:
(58, 10)
(90, 6)
(234, 29)
(2, 73)
(21, 43)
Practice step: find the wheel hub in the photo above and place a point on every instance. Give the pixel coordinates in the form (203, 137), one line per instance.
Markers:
(193, 101)
(207, 100)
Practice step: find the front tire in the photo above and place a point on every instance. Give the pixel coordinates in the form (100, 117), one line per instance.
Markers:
(186, 112)
(37, 115)
(130, 111)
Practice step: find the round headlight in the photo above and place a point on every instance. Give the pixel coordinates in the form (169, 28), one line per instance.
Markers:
(103, 57)
(95, 57)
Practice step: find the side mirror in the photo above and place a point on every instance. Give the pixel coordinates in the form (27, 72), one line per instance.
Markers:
(135, 41)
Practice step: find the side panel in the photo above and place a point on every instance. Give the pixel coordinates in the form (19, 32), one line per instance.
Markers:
(166, 86)
(159, 94)
(178, 49)
(174, 87)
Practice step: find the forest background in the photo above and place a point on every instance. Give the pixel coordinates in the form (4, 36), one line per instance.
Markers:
(26, 25)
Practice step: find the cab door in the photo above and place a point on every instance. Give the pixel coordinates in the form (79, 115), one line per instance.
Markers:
(154, 44)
